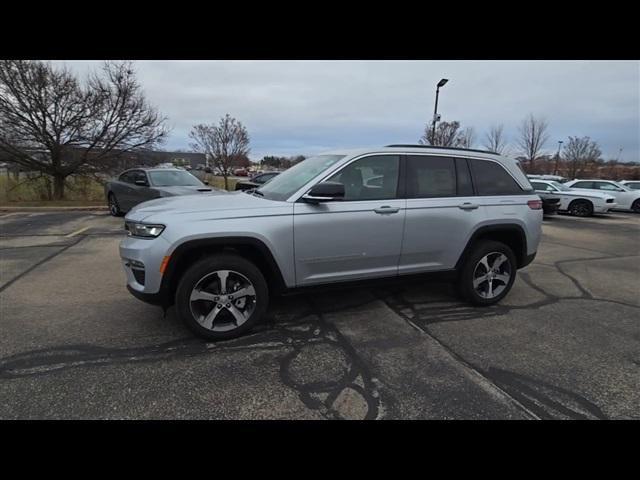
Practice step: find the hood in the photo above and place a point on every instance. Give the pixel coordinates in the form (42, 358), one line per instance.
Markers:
(211, 205)
(189, 190)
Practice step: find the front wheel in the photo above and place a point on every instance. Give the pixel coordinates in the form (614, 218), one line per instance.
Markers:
(221, 297)
(636, 206)
(488, 273)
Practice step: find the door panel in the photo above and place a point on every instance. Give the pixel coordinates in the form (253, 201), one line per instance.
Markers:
(438, 221)
(139, 193)
(359, 237)
(436, 231)
(337, 241)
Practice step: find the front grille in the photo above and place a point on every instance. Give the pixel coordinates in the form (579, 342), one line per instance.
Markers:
(609, 200)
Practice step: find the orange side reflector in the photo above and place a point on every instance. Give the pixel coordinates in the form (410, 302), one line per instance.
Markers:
(165, 262)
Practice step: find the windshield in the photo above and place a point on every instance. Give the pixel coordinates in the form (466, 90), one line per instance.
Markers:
(290, 181)
(173, 178)
(560, 186)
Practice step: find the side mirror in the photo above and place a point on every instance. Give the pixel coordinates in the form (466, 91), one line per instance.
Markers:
(325, 192)
(142, 183)
(206, 183)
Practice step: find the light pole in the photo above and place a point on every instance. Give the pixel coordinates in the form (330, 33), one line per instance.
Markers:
(555, 170)
(441, 83)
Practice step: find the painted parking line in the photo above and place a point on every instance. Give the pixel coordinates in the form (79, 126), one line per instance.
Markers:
(72, 234)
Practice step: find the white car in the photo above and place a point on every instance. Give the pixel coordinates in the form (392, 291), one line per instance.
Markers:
(580, 204)
(632, 184)
(626, 198)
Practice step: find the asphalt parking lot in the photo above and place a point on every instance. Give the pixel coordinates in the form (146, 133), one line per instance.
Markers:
(565, 344)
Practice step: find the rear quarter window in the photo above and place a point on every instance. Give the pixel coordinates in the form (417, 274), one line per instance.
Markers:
(491, 178)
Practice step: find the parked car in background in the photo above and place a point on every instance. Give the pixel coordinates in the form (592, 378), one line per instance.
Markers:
(467, 214)
(138, 185)
(550, 199)
(579, 204)
(632, 184)
(241, 172)
(556, 178)
(626, 198)
(256, 181)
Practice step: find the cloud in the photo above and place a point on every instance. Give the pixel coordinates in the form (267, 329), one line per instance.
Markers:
(292, 107)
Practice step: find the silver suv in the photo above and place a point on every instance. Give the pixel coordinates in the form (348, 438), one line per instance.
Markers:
(338, 217)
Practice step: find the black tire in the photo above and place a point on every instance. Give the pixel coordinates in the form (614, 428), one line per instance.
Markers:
(581, 208)
(636, 206)
(114, 206)
(206, 266)
(466, 275)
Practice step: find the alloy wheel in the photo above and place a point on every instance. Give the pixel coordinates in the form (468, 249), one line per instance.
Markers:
(492, 275)
(222, 300)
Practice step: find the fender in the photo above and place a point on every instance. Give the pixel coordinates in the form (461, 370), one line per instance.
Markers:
(175, 267)
(488, 230)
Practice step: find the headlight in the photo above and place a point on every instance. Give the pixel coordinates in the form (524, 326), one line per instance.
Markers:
(143, 230)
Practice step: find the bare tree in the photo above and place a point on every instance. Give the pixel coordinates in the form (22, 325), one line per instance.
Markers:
(579, 153)
(224, 143)
(466, 138)
(52, 123)
(446, 134)
(533, 136)
(495, 139)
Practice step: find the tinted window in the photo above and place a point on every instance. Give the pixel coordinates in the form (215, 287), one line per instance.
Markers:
(583, 185)
(127, 177)
(465, 187)
(490, 178)
(361, 182)
(606, 186)
(139, 175)
(430, 176)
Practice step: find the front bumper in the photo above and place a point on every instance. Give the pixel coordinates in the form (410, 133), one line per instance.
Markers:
(604, 208)
(141, 260)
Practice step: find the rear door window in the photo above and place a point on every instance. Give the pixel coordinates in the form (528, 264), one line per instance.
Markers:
(490, 178)
(430, 176)
(606, 186)
(583, 185)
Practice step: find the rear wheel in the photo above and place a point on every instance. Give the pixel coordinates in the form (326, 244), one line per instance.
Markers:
(488, 273)
(114, 207)
(636, 206)
(581, 208)
(222, 297)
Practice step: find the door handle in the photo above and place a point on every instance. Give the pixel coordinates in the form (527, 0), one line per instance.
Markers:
(386, 209)
(468, 206)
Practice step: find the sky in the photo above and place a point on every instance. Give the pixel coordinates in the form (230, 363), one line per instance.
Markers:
(306, 107)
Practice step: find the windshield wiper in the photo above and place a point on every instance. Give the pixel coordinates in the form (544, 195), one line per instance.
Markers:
(257, 192)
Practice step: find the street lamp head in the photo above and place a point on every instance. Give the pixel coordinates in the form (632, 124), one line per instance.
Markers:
(442, 82)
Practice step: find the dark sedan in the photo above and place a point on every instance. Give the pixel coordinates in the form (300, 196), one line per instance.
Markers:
(138, 185)
(256, 181)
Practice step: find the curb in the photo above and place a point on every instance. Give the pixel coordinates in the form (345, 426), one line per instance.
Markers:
(53, 209)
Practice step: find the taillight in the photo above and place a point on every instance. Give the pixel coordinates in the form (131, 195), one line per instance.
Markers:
(535, 204)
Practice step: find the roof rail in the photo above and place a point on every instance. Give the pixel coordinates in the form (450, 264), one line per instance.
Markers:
(441, 148)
